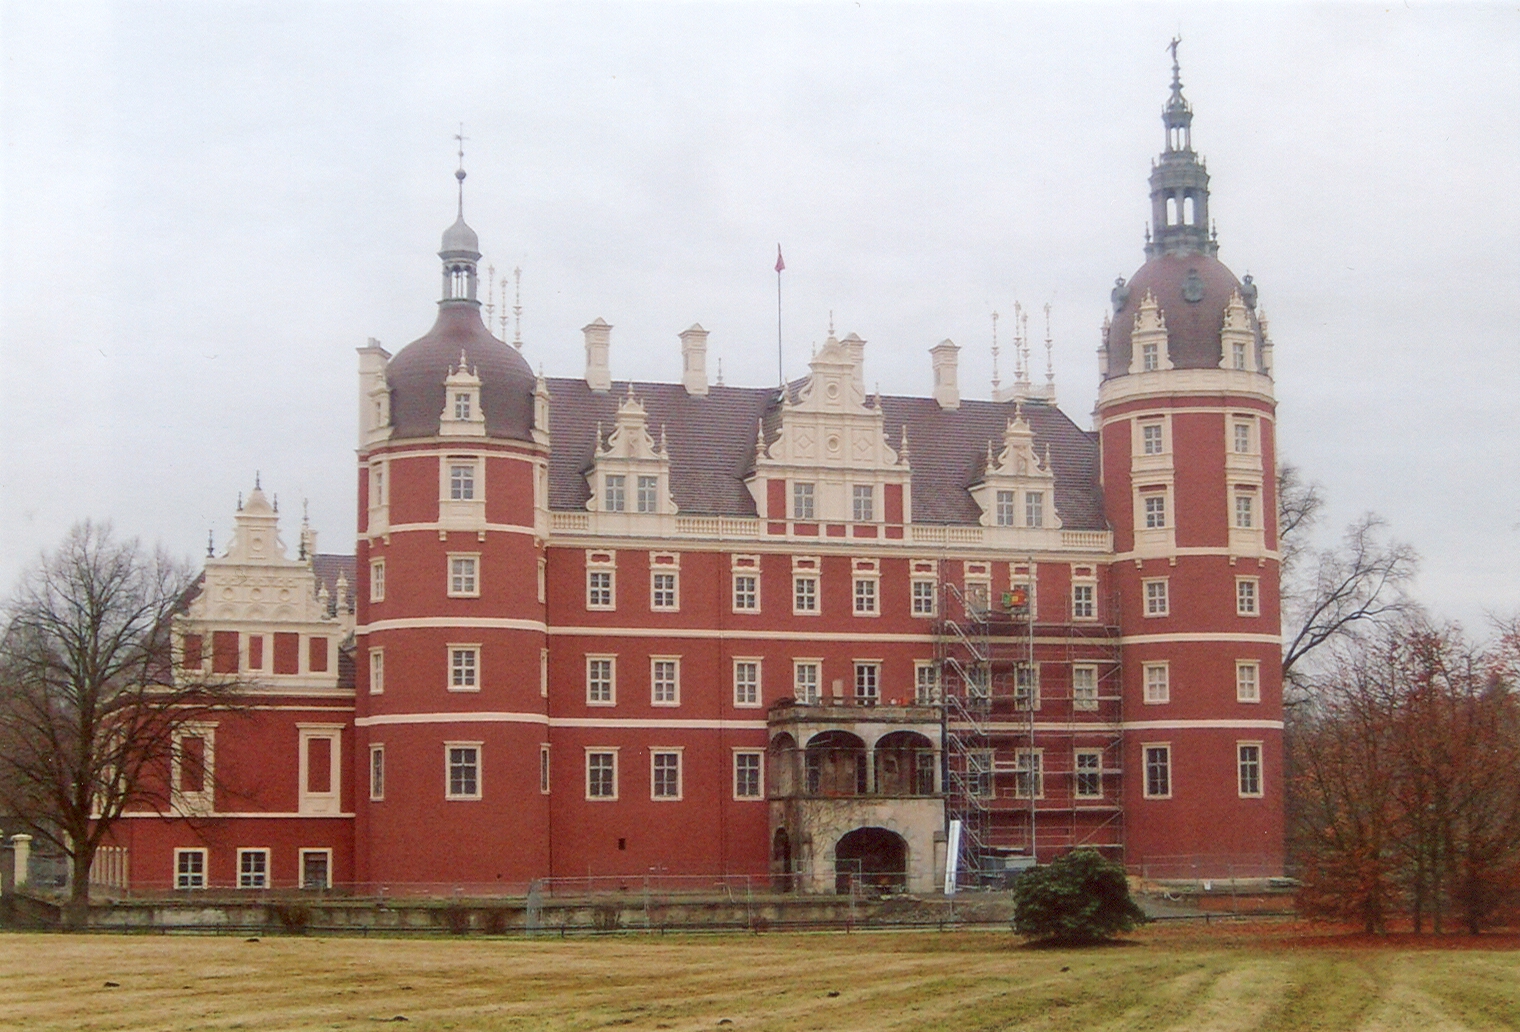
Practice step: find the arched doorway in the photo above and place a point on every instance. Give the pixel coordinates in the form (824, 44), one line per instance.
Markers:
(781, 861)
(878, 856)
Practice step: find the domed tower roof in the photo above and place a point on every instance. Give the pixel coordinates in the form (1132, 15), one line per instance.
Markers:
(1191, 287)
(416, 375)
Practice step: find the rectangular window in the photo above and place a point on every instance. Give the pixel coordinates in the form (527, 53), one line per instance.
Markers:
(1026, 686)
(867, 683)
(463, 579)
(613, 499)
(543, 673)
(805, 683)
(1005, 508)
(1084, 687)
(1248, 757)
(746, 593)
(979, 773)
(600, 685)
(255, 652)
(648, 499)
(1156, 601)
(802, 502)
(805, 594)
(665, 775)
(377, 484)
(1088, 765)
(1247, 681)
(253, 868)
(316, 655)
(1238, 352)
(192, 764)
(543, 769)
(462, 482)
(865, 596)
(287, 652)
(1034, 509)
(1149, 358)
(1158, 771)
(377, 772)
(1242, 438)
(463, 771)
(1155, 511)
(224, 653)
(924, 598)
(1245, 511)
(598, 589)
(1158, 687)
(601, 774)
(665, 682)
(662, 588)
(978, 681)
(464, 668)
(377, 581)
(1029, 774)
(746, 682)
(462, 406)
(1084, 601)
(316, 867)
(1150, 438)
(747, 779)
(1245, 596)
(189, 868)
(926, 684)
(864, 498)
(377, 671)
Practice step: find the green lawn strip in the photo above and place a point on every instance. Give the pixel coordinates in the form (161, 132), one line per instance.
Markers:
(1327, 992)
(1478, 988)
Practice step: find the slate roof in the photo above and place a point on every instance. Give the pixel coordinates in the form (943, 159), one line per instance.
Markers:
(712, 448)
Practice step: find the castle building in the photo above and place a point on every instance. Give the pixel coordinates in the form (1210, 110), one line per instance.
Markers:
(808, 633)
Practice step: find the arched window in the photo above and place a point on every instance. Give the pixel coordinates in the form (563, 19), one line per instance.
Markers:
(1189, 211)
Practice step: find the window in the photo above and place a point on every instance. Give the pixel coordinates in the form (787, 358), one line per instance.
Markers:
(377, 484)
(1247, 681)
(1158, 771)
(191, 779)
(979, 773)
(1248, 759)
(802, 502)
(543, 673)
(316, 654)
(1088, 764)
(867, 683)
(1084, 687)
(255, 652)
(1156, 601)
(662, 590)
(316, 865)
(665, 682)
(613, 493)
(926, 684)
(601, 774)
(464, 668)
(601, 688)
(747, 777)
(1245, 596)
(1155, 511)
(746, 682)
(319, 768)
(805, 682)
(746, 593)
(1029, 774)
(1157, 683)
(253, 868)
(543, 769)
(865, 596)
(462, 482)
(1149, 358)
(1026, 686)
(978, 681)
(864, 498)
(377, 581)
(377, 671)
(804, 594)
(1245, 510)
(189, 868)
(377, 772)
(1004, 508)
(647, 500)
(1239, 355)
(664, 775)
(1034, 509)
(463, 579)
(598, 589)
(924, 597)
(462, 406)
(463, 762)
(1242, 438)
(1084, 601)
(1150, 439)
(977, 594)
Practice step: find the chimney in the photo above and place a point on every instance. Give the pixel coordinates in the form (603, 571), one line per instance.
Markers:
(856, 349)
(947, 389)
(694, 360)
(598, 340)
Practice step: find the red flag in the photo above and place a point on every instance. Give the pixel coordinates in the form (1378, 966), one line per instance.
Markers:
(779, 263)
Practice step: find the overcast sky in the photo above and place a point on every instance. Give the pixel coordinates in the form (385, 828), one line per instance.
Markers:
(207, 207)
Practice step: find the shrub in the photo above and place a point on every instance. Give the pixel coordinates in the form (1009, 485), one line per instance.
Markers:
(295, 918)
(1079, 899)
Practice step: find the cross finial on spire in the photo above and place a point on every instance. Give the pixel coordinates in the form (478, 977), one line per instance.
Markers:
(831, 322)
(256, 485)
(210, 544)
(459, 173)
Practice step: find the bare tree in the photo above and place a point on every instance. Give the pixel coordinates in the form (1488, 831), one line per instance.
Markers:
(90, 709)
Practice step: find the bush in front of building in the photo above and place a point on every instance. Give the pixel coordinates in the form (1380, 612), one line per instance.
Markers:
(1077, 900)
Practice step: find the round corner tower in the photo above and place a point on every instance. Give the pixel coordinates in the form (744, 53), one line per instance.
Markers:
(1186, 415)
(451, 714)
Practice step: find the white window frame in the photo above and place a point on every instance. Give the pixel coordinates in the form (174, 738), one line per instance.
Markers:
(759, 757)
(1244, 433)
(448, 772)
(1259, 774)
(671, 685)
(656, 751)
(863, 503)
(752, 595)
(302, 853)
(1248, 596)
(1245, 510)
(1024, 774)
(598, 750)
(1164, 749)
(931, 595)
(203, 801)
(611, 681)
(614, 489)
(1248, 680)
(376, 772)
(253, 879)
(981, 779)
(545, 768)
(1147, 438)
(456, 650)
(927, 684)
(1156, 683)
(1079, 699)
(814, 693)
(804, 501)
(543, 673)
(867, 595)
(1003, 508)
(667, 605)
(329, 802)
(1084, 608)
(377, 671)
(377, 580)
(594, 590)
(1034, 509)
(1078, 772)
(463, 488)
(798, 580)
(1153, 510)
(458, 585)
(185, 880)
(867, 675)
(749, 687)
(1026, 686)
(1150, 356)
(646, 492)
(1157, 597)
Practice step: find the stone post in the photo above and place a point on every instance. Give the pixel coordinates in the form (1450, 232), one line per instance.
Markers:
(23, 853)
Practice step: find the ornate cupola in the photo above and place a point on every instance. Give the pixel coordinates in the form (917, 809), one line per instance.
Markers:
(1179, 183)
(460, 253)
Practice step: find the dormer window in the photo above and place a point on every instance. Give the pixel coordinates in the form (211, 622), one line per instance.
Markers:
(613, 496)
(1239, 350)
(462, 406)
(1034, 509)
(1149, 357)
(864, 497)
(648, 494)
(1005, 508)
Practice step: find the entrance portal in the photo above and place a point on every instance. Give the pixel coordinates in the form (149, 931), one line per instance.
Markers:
(878, 857)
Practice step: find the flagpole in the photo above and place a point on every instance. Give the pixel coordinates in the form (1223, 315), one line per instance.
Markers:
(780, 372)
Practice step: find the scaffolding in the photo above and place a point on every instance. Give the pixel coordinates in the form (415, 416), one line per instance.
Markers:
(1033, 724)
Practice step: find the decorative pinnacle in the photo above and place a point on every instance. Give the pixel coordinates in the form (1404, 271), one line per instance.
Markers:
(256, 485)
(994, 356)
(1176, 68)
(516, 307)
(210, 544)
(459, 173)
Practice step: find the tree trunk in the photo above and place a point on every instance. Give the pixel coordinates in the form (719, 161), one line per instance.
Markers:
(76, 913)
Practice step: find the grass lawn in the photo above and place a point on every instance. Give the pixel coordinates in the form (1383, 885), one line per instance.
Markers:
(1226, 977)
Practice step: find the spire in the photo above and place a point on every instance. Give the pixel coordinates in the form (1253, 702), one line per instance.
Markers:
(461, 247)
(1179, 182)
